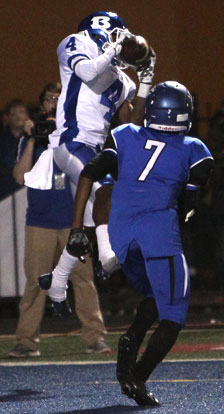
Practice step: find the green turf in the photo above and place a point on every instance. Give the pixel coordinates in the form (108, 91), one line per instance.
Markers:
(71, 348)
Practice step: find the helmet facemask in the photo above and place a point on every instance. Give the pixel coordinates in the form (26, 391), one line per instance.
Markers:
(117, 35)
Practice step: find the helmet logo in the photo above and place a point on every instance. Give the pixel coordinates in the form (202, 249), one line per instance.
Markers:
(100, 22)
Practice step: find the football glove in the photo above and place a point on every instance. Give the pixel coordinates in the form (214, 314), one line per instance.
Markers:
(187, 205)
(189, 215)
(145, 71)
(78, 244)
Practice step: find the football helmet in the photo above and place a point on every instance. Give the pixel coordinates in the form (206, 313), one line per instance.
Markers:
(99, 25)
(169, 107)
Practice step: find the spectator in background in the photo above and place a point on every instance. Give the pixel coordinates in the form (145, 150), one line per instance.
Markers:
(48, 220)
(16, 114)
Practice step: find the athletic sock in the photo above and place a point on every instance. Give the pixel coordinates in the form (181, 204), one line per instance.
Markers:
(129, 343)
(61, 273)
(106, 255)
(145, 316)
(159, 344)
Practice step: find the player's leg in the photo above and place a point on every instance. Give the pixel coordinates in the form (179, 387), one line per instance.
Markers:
(70, 159)
(101, 211)
(169, 278)
(129, 343)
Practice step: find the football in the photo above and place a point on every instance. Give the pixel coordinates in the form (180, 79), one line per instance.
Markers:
(134, 50)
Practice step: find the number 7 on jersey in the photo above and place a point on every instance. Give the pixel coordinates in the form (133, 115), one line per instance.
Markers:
(159, 146)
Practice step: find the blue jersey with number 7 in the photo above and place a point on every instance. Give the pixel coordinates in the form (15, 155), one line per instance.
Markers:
(153, 169)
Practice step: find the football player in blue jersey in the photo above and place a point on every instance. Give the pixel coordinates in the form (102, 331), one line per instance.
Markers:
(94, 87)
(156, 166)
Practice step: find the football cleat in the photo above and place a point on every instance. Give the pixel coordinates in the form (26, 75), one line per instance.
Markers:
(45, 280)
(138, 392)
(62, 308)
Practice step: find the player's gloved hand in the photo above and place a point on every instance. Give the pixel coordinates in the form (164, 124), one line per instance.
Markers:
(145, 71)
(78, 244)
(187, 205)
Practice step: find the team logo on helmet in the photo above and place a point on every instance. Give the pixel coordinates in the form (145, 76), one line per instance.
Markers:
(100, 22)
(99, 25)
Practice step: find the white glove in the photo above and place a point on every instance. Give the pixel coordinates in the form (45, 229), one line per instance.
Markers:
(117, 48)
(145, 73)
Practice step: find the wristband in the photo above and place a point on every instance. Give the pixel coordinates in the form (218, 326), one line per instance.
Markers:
(143, 90)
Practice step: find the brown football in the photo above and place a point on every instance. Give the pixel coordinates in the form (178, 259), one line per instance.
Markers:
(134, 50)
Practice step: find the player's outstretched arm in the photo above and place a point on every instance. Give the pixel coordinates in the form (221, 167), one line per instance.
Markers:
(88, 69)
(145, 73)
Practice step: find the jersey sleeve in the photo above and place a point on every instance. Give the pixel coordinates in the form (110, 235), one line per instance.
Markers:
(201, 165)
(73, 49)
(199, 152)
(123, 133)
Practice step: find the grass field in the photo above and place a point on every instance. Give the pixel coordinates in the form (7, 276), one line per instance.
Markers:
(191, 344)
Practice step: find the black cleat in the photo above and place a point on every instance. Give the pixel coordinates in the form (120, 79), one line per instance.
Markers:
(62, 308)
(45, 280)
(138, 392)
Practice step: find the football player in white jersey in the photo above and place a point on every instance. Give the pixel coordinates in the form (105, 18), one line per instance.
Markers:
(94, 87)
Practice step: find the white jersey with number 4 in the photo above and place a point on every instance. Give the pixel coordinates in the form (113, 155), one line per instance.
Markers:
(84, 110)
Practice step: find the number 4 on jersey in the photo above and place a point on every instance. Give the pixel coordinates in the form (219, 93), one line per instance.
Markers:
(159, 146)
(71, 44)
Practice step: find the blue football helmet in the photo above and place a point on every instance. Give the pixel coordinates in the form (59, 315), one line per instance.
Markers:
(99, 25)
(169, 107)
